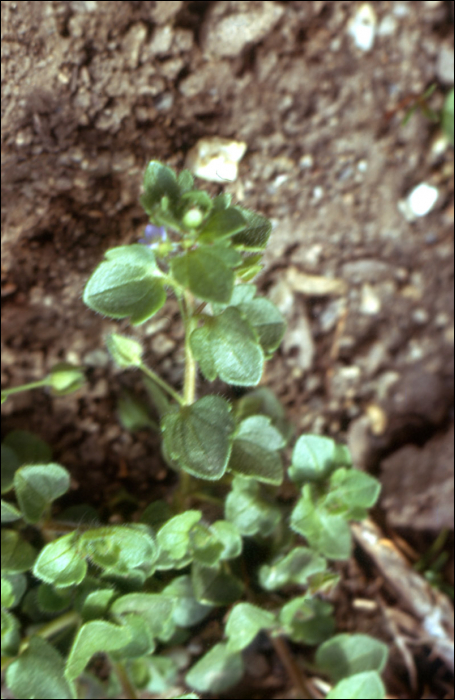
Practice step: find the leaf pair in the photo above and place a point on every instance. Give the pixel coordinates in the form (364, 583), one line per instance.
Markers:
(234, 343)
(203, 441)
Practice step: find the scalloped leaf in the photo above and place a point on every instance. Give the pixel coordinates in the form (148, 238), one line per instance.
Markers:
(295, 567)
(199, 437)
(256, 234)
(127, 283)
(60, 563)
(37, 485)
(207, 272)
(244, 623)
(327, 533)
(361, 686)
(216, 671)
(160, 181)
(348, 654)
(315, 457)
(39, 667)
(255, 450)
(227, 345)
(92, 638)
(248, 510)
(222, 223)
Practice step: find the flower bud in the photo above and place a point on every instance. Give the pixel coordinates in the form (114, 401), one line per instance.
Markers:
(193, 218)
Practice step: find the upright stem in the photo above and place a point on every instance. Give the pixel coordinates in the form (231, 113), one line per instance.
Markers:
(189, 386)
(291, 667)
(128, 688)
(186, 305)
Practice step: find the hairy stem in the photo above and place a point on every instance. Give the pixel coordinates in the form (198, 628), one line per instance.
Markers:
(189, 386)
(128, 688)
(25, 387)
(291, 667)
(164, 385)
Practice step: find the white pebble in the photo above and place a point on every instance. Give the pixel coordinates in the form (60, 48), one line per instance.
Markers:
(362, 27)
(419, 202)
(370, 303)
(400, 9)
(306, 161)
(387, 26)
(216, 159)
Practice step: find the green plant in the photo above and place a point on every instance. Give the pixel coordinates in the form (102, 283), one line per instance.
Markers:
(444, 117)
(431, 564)
(447, 117)
(133, 591)
(64, 378)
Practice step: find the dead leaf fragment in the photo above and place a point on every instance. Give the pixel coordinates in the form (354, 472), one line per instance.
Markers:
(314, 285)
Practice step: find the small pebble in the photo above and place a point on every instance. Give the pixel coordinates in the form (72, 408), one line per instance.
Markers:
(370, 302)
(387, 26)
(362, 27)
(306, 161)
(216, 159)
(445, 65)
(419, 202)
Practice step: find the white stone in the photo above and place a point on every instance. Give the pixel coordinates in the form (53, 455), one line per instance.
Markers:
(419, 202)
(444, 65)
(370, 303)
(299, 337)
(306, 161)
(400, 9)
(216, 159)
(387, 26)
(229, 35)
(362, 27)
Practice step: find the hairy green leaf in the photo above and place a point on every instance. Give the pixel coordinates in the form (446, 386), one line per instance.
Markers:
(347, 654)
(174, 536)
(222, 224)
(92, 638)
(248, 510)
(326, 533)
(199, 437)
(37, 486)
(159, 181)
(155, 608)
(245, 621)
(255, 450)
(217, 671)
(228, 345)
(295, 567)
(315, 457)
(215, 585)
(206, 272)
(366, 685)
(38, 672)
(256, 234)
(60, 563)
(308, 619)
(128, 283)
(187, 610)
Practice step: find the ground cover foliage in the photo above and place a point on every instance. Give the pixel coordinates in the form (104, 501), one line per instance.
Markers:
(131, 591)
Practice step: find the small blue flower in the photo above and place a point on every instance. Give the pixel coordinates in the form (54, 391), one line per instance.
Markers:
(154, 235)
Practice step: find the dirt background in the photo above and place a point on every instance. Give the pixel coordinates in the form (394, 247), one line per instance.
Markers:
(91, 91)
